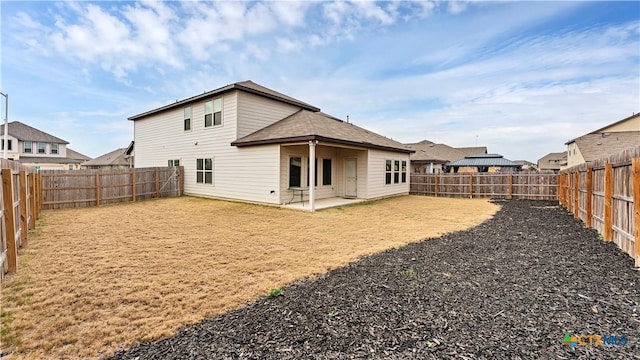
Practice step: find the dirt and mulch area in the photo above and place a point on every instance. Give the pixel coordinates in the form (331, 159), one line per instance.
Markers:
(96, 280)
(510, 288)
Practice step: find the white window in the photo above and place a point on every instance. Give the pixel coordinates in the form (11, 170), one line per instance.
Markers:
(204, 171)
(27, 147)
(42, 148)
(396, 171)
(387, 172)
(10, 142)
(54, 148)
(187, 119)
(213, 113)
(295, 172)
(326, 171)
(404, 171)
(174, 162)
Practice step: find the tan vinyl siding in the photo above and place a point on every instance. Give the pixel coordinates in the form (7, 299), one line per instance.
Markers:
(376, 174)
(632, 124)
(574, 156)
(256, 112)
(245, 174)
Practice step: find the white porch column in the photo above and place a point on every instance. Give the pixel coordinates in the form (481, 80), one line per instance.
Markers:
(312, 175)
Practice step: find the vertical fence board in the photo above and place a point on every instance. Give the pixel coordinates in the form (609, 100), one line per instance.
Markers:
(636, 209)
(9, 220)
(24, 215)
(608, 201)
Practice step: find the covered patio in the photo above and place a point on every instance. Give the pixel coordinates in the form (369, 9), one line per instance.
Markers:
(320, 204)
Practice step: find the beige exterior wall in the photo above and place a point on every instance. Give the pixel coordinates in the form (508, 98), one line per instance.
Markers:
(256, 112)
(376, 187)
(632, 124)
(574, 156)
(249, 173)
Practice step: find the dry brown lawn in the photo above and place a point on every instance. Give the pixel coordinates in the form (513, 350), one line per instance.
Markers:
(97, 279)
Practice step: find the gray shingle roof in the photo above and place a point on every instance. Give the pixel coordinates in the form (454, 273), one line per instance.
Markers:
(47, 160)
(596, 146)
(25, 132)
(307, 125)
(246, 86)
(484, 160)
(72, 154)
(115, 157)
(427, 151)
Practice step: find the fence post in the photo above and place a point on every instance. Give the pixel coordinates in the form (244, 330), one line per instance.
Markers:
(39, 191)
(435, 187)
(635, 168)
(181, 180)
(576, 194)
(471, 186)
(608, 202)
(32, 200)
(133, 185)
(559, 182)
(98, 190)
(9, 220)
(23, 208)
(589, 198)
(157, 183)
(510, 186)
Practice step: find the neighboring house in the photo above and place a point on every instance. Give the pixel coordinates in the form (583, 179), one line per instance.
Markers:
(79, 159)
(430, 158)
(553, 162)
(526, 165)
(604, 142)
(36, 148)
(117, 159)
(247, 142)
(483, 163)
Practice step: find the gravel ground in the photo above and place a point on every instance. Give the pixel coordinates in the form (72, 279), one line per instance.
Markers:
(510, 288)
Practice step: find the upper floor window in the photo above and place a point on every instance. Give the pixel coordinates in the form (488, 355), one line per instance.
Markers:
(10, 144)
(175, 162)
(54, 148)
(42, 148)
(27, 147)
(187, 119)
(213, 113)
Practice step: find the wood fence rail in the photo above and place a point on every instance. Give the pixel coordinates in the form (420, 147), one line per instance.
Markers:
(83, 188)
(20, 206)
(605, 195)
(532, 186)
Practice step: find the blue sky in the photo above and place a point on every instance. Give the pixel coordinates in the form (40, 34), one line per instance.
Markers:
(521, 78)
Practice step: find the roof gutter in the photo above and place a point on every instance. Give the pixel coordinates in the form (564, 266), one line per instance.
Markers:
(319, 138)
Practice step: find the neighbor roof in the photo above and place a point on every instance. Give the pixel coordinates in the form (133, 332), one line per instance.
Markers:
(427, 151)
(484, 160)
(72, 154)
(307, 125)
(115, 157)
(596, 146)
(25, 132)
(552, 161)
(246, 86)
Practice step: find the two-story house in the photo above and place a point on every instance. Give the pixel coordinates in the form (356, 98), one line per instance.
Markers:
(247, 142)
(604, 142)
(36, 148)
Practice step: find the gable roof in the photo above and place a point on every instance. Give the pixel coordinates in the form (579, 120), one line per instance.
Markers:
(246, 86)
(72, 154)
(25, 132)
(441, 153)
(615, 123)
(306, 125)
(552, 161)
(115, 157)
(596, 146)
(484, 160)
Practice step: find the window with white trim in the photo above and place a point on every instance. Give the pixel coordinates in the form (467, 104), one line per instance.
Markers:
(27, 147)
(54, 148)
(42, 148)
(326, 171)
(213, 113)
(175, 162)
(295, 171)
(187, 118)
(387, 172)
(204, 171)
(404, 171)
(10, 144)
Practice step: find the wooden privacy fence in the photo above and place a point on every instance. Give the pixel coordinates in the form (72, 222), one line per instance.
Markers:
(536, 186)
(20, 204)
(605, 195)
(83, 188)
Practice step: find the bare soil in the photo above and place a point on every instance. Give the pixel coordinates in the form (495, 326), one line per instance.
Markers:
(510, 288)
(96, 280)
